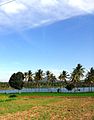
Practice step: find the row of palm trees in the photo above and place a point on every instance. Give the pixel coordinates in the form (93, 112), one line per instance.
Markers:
(38, 76)
(74, 77)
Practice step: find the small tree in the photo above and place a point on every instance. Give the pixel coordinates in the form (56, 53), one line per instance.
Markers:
(70, 86)
(16, 80)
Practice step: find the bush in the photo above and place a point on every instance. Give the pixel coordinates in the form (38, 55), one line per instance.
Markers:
(69, 87)
(12, 96)
(16, 80)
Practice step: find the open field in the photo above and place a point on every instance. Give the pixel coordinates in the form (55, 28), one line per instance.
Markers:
(47, 106)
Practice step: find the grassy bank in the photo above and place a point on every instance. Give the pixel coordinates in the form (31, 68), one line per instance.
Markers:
(47, 106)
(91, 94)
(78, 94)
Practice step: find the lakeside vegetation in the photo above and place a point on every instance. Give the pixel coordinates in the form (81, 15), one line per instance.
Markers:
(39, 79)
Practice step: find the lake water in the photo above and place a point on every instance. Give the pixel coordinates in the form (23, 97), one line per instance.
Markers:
(85, 89)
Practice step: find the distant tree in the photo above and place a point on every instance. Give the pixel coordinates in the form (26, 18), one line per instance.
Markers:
(52, 78)
(38, 75)
(48, 74)
(25, 76)
(77, 73)
(90, 78)
(30, 76)
(16, 80)
(63, 76)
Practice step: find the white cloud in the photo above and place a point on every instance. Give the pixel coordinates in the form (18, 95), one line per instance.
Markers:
(48, 2)
(84, 5)
(23, 14)
(13, 8)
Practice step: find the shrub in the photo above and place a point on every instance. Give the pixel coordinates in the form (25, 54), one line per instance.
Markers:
(16, 80)
(69, 86)
(12, 96)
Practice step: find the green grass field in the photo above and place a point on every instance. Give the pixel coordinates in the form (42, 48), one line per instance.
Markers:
(47, 106)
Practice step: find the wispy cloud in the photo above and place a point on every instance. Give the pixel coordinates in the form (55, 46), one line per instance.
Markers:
(23, 14)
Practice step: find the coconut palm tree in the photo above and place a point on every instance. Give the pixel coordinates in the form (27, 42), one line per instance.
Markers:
(48, 73)
(30, 76)
(25, 76)
(90, 77)
(63, 76)
(50, 76)
(38, 75)
(77, 73)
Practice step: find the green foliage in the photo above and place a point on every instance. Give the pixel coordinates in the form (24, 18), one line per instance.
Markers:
(4, 85)
(69, 86)
(77, 73)
(90, 76)
(30, 78)
(16, 80)
(38, 75)
(48, 79)
(50, 76)
(63, 76)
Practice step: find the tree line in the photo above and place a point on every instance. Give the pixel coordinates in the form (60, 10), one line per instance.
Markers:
(48, 79)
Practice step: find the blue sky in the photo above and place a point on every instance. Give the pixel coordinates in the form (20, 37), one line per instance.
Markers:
(51, 35)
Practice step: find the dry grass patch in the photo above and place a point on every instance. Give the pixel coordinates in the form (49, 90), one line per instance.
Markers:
(48, 108)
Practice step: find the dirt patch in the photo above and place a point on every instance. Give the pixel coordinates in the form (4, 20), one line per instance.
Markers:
(63, 108)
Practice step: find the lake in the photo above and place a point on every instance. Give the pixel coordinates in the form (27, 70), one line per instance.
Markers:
(84, 89)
